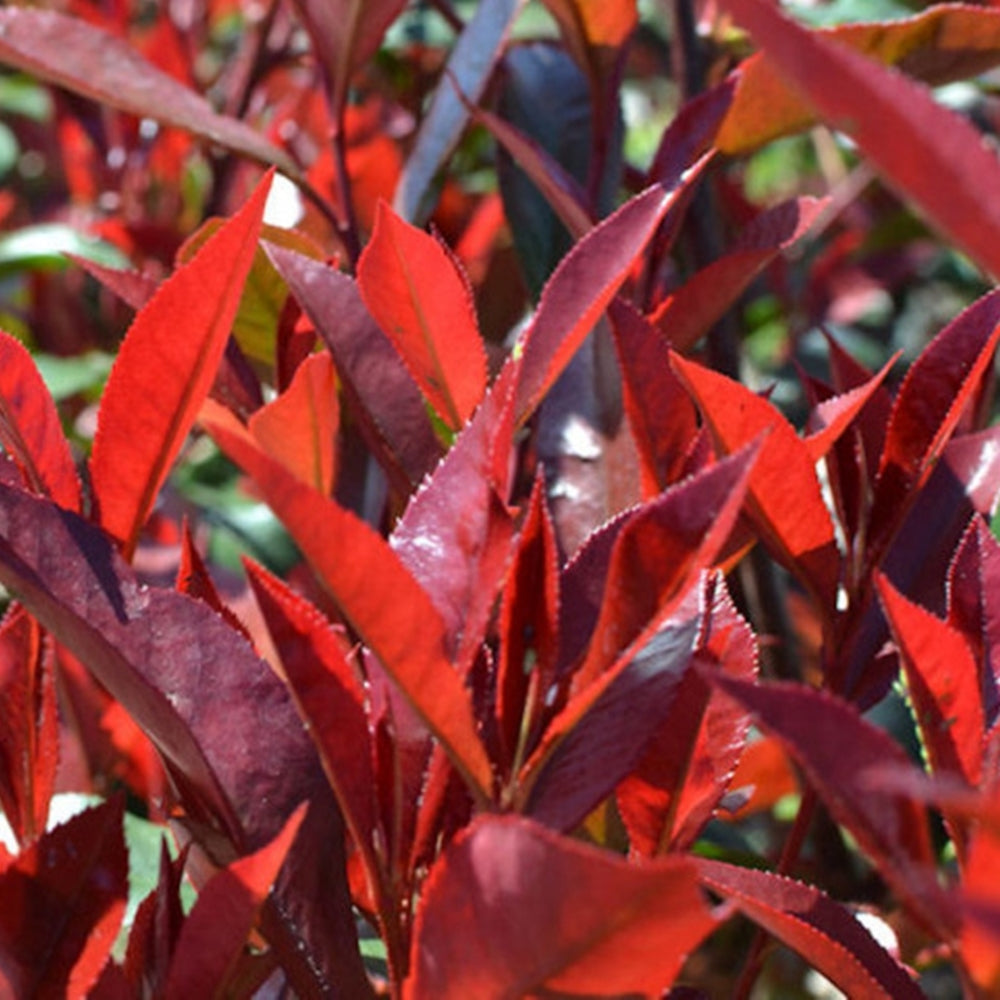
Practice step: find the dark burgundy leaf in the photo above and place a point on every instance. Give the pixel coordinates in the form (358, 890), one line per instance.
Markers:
(661, 415)
(823, 932)
(158, 652)
(63, 902)
(840, 751)
(379, 390)
(937, 388)
(88, 61)
(604, 730)
(661, 551)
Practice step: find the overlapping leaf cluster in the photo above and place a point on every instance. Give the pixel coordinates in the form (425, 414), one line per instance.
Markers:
(572, 607)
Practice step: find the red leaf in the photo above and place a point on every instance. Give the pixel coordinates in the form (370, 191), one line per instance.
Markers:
(930, 402)
(973, 609)
(661, 415)
(661, 551)
(932, 155)
(156, 927)
(86, 60)
(194, 580)
(943, 682)
(528, 628)
(602, 733)
(158, 652)
(454, 536)
(30, 429)
(823, 932)
(840, 751)
(565, 195)
(980, 901)
(64, 899)
(469, 68)
(164, 370)
(581, 288)
(942, 44)
(299, 427)
(29, 730)
(330, 698)
(379, 390)
(376, 594)
(417, 294)
(688, 765)
(213, 935)
(134, 288)
(344, 35)
(785, 500)
(701, 301)
(512, 909)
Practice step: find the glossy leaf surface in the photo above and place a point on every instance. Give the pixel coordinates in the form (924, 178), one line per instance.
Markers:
(159, 379)
(541, 911)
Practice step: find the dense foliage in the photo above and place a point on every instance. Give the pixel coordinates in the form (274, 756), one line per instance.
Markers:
(495, 499)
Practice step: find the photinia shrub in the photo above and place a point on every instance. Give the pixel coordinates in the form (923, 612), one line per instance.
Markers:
(495, 500)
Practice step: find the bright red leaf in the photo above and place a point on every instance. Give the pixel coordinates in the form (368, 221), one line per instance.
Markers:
(414, 289)
(164, 370)
(299, 427)
(786, 503)
(374, 591)
(214, 932)
(30, 429)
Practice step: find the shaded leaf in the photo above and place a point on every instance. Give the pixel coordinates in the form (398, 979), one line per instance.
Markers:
(164, 370)
(973, 583)
(512, 908)
(528, 627)
(378, 389)
(344, 35)
(687, 766)
(932, 155)
(603, 731)
(88, 61)
(839, 752)
(330, 696)
(786, 504)
(29, 729)
(582, 287)
(467, 72)
(942, 44)
(660, 553)
(396, 618)
(936, 390)
(30, 428)
(64, 899)
(415, 291)
(662, 417)
(158, 652)
(214, 932)
(299, 427)
(822, 931)
(690, 312)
